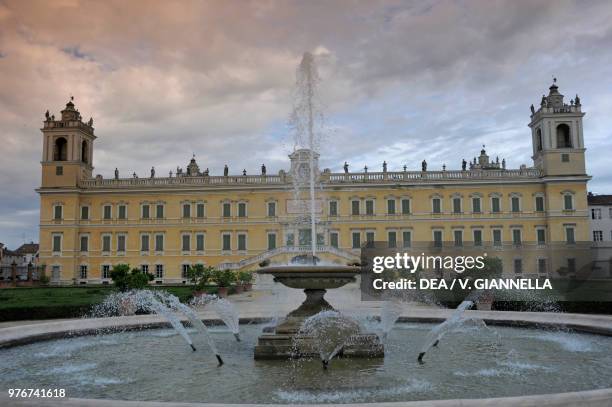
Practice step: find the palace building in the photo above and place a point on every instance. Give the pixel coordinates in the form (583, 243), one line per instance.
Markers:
(164, 224)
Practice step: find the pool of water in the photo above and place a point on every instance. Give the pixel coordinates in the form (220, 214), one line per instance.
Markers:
(473, 362)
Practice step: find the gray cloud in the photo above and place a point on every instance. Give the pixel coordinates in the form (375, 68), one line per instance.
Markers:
(402, 81)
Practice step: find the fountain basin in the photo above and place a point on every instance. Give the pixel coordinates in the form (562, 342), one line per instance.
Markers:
(126, 366)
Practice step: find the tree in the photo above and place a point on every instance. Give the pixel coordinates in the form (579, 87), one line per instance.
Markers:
(200, 276)
(125, 280)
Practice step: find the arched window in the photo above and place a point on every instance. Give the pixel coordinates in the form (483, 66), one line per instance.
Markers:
(564, 139)
(60, 151)
(84, 152)
(539, 139)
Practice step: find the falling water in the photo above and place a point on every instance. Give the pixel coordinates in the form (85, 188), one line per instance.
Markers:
(329, 331)
(306, 120)
(435, 335)
(224, 309)
(160, 303)
(390, 312)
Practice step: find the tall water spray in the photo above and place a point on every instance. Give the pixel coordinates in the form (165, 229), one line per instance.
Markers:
(306, 120)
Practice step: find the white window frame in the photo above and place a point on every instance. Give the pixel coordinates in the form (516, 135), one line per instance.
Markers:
(125, 242)
(110, 211)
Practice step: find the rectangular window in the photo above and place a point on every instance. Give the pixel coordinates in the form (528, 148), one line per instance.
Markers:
(57, 243)
(516, 237)
(106, 243)
(497, 237)
(186, 243)
(84, 212)
(159, 243)
(271, 241)
(227, 242)
(186, 211)
(569, 236)
(477, 237)
(406, 238)
(542, 266)
(356, 240)
(333, 239)
(144, 268)
(369, 207)
(122, 209)
(121, 243)
(83, 271)
(515, 204)
(495, 207)
(59, 170)
(200, 242)
(370, 239)
(539, 203)
(405, 206)
(333, 208)
(458, 237)
(144, 243)
(57, 212)
(105, 271)
(568, 202)
(597, 235)
(518, 266)
(290, 239)
(200, 210)
(227, 210)
(391, 206)
(159, 271)
(242, 241)
(392, 239)
(595, 213)
(107, 212)
(437, 237)
(565, 158)
(436, 205)
(271, 209)
(145, 212)
(84, 243)
(456, 205)
(476, 205)
(242, 210)
(159, 211)
(571, 265)
(185, 270)
(354, 207)
(541, 235)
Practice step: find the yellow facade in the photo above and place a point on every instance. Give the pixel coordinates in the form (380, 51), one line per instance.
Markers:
(547, 197)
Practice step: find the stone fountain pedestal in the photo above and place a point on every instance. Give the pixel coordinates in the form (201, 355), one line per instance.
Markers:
(284, 341)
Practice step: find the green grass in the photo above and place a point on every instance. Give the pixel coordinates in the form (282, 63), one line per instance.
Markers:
(63, 302)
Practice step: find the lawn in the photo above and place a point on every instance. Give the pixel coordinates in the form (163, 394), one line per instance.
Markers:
(62, 302)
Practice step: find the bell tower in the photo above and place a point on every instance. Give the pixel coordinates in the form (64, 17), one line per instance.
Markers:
(557, 137)
(67, 148)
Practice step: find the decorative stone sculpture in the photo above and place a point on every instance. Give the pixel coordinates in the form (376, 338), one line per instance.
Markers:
(116, 173)
(263, 169)
(152, 172)
(532, 109)
(384, 166)
(244, 172)
(504, 163)
(463, 165)
(424, 166)
(225, 171)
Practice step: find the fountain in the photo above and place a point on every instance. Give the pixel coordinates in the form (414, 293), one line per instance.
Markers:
(306, 272)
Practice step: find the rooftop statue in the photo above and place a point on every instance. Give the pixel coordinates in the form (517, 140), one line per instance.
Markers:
(116, 173)
(346, 167)
(225, 170)
(384, 166)
(263, 169)
(424, 165)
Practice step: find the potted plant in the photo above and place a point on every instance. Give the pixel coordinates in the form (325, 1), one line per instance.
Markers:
(224, 279)
(246, 278)
(200, 276)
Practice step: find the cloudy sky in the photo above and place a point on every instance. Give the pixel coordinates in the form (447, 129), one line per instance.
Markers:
(401, 81)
